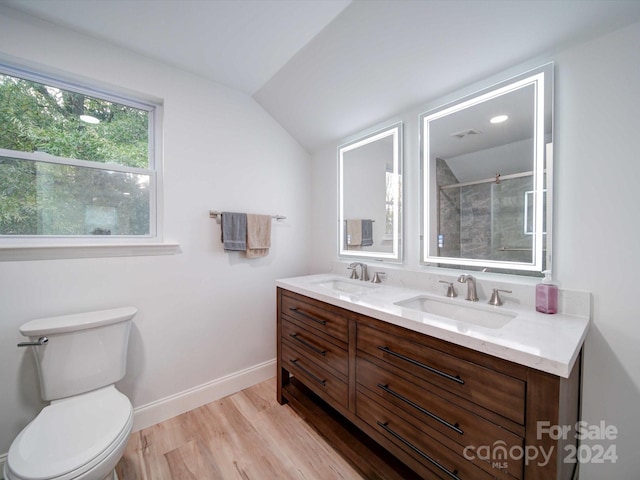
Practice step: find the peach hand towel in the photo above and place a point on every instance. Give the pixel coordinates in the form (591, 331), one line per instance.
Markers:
(354, 232)
(258, 235)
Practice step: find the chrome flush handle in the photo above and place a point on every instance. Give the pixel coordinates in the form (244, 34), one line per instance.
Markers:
(40, 341)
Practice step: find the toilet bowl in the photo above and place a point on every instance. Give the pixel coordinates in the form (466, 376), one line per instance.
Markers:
(83, 432)
(82, 437)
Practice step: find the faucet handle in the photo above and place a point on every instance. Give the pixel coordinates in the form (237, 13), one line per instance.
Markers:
(354, 274)
(451, 291)
(376, 277)
(495, 297)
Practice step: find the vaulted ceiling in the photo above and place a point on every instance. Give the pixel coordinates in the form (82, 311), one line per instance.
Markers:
(326, 69)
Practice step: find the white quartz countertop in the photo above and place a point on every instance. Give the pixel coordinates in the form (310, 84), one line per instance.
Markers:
(549, 343)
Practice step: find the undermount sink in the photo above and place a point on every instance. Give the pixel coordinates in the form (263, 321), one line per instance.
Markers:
(346, 286)
(476, 315)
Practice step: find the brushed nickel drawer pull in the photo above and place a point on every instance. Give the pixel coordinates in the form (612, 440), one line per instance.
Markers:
(453, 474)
(307, 344)
(308, 315)
(456, 379)
(452, 426)
(317, 379)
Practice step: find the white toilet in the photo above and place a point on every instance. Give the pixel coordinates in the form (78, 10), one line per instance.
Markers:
(83, 432)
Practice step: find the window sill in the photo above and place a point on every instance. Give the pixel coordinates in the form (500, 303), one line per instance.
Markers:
(58, 252)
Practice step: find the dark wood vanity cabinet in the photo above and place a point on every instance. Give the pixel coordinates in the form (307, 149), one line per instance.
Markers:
(444, 410)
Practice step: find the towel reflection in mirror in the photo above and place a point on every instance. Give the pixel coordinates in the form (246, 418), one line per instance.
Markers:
(359, 233)
(369, 195)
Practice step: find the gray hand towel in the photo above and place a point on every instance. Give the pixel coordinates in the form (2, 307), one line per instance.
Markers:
(234, 231)
(367, 233)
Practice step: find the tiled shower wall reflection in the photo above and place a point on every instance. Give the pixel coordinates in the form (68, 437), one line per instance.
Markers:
(484, 221)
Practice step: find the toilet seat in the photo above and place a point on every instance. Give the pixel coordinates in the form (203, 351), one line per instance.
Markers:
(71, 436)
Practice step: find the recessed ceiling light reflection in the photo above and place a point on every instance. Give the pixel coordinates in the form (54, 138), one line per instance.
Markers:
(499, 119)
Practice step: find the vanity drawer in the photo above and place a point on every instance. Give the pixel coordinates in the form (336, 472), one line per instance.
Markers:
(316, 347)
(330, 320)
(327, 385)
(432, 413)
(487, 388)
(440, 461)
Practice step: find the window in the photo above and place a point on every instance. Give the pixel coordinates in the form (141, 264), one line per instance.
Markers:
(74, 162)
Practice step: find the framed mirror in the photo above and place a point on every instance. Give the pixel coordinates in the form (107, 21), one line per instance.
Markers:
(487, 177)
(370, 196)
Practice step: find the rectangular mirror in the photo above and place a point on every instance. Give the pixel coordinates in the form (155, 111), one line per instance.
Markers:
(487, 177)
(370, 196)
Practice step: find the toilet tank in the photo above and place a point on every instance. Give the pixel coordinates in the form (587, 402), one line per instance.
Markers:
(85, 351)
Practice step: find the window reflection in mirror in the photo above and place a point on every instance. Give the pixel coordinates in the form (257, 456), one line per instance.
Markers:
(485, 178)
(370, 193)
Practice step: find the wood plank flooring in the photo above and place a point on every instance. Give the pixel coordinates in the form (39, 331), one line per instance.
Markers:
(246, 436)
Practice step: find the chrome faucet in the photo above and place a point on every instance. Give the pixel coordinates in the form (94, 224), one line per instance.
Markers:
(364, 274)
(472, 294)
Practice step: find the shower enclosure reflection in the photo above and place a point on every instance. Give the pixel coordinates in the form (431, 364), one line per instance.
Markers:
(489, 219)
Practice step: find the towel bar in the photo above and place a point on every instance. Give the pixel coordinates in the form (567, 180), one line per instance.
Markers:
(216, 214)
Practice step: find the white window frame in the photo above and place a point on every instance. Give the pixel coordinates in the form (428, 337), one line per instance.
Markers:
(39, 247)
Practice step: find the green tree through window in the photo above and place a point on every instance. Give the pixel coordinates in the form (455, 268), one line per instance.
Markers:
(72, 164)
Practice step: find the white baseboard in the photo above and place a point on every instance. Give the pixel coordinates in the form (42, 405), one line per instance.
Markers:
(174, 405)
(169, 407)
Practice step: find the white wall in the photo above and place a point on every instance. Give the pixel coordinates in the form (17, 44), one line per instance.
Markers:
(597, 223)
(203, 314)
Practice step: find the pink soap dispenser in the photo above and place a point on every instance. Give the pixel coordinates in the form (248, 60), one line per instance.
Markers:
(547, 295)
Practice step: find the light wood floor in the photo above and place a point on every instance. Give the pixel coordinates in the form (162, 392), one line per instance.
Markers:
(247, 435)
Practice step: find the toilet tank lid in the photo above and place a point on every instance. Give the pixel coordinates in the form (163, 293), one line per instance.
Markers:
(76, 321)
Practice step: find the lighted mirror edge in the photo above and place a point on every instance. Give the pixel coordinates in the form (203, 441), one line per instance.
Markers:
(542, 147)
(394, 130)
(504, 265)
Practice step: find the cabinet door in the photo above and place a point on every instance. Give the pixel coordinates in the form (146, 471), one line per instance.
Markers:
(311, 313)
(492, 390)
(445, 421)
(316, 347)
(328, 386)
(437, 460)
